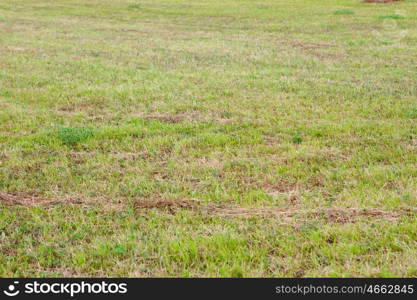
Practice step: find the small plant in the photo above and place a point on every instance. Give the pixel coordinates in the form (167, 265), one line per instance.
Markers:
(343, 12)
(297, 139)
(406, 197)
(70, 136)
(134, 6)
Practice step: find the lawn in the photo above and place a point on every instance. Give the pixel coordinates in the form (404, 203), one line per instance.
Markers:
(233, 138)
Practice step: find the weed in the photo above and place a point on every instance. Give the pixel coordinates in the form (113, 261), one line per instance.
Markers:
(297, 139)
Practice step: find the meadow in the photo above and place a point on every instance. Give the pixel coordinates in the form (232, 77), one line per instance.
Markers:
(207, 138)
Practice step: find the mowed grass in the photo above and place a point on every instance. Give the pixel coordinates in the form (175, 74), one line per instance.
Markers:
(153, 138)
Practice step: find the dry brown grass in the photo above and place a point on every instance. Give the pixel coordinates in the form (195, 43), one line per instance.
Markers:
(330, 214)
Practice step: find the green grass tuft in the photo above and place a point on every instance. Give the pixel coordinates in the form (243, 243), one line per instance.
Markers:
(134, 6)
(343, 12)
(393, 16)
(297, 139)
(70, 136)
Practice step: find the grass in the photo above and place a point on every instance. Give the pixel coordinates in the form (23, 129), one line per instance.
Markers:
(393, 16)
(207, 138)
(72, 135)
(344, 12)
(135, 6)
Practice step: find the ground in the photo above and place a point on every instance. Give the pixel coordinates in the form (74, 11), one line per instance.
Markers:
(208, 138)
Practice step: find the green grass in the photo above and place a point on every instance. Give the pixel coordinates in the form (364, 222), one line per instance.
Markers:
(393, 16)
(344, 12)
(135, 6)
(266, 138)
(72, 135)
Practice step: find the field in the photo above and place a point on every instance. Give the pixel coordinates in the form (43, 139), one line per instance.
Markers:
(211, 138)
